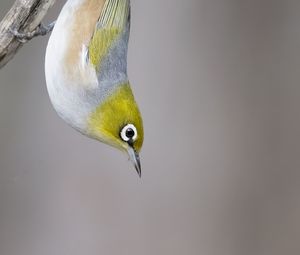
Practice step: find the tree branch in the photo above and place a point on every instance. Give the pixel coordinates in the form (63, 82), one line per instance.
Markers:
(23, 19)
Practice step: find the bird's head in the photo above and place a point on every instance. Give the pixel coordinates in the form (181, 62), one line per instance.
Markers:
(117, 121)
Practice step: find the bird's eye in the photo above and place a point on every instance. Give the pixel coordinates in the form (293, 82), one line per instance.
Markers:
(128, 133)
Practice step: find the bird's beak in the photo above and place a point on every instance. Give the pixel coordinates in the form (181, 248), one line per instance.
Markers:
(135, 159)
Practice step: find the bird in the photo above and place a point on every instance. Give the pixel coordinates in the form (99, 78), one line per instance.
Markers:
(86, 74)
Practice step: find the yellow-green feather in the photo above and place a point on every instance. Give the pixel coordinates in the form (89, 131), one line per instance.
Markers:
(112, 21)
(115, 112)
(100, 44)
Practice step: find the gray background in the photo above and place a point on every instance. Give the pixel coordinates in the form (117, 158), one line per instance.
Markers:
(217, 82)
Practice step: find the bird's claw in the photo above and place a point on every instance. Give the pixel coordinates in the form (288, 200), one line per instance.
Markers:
(40, 30)
(21, 37)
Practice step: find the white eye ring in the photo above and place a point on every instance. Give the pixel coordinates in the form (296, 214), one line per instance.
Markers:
(124, 133)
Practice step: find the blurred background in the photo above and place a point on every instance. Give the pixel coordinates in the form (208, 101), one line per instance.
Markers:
(217, 82)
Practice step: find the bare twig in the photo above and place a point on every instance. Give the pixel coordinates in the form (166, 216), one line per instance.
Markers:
(22, 23)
